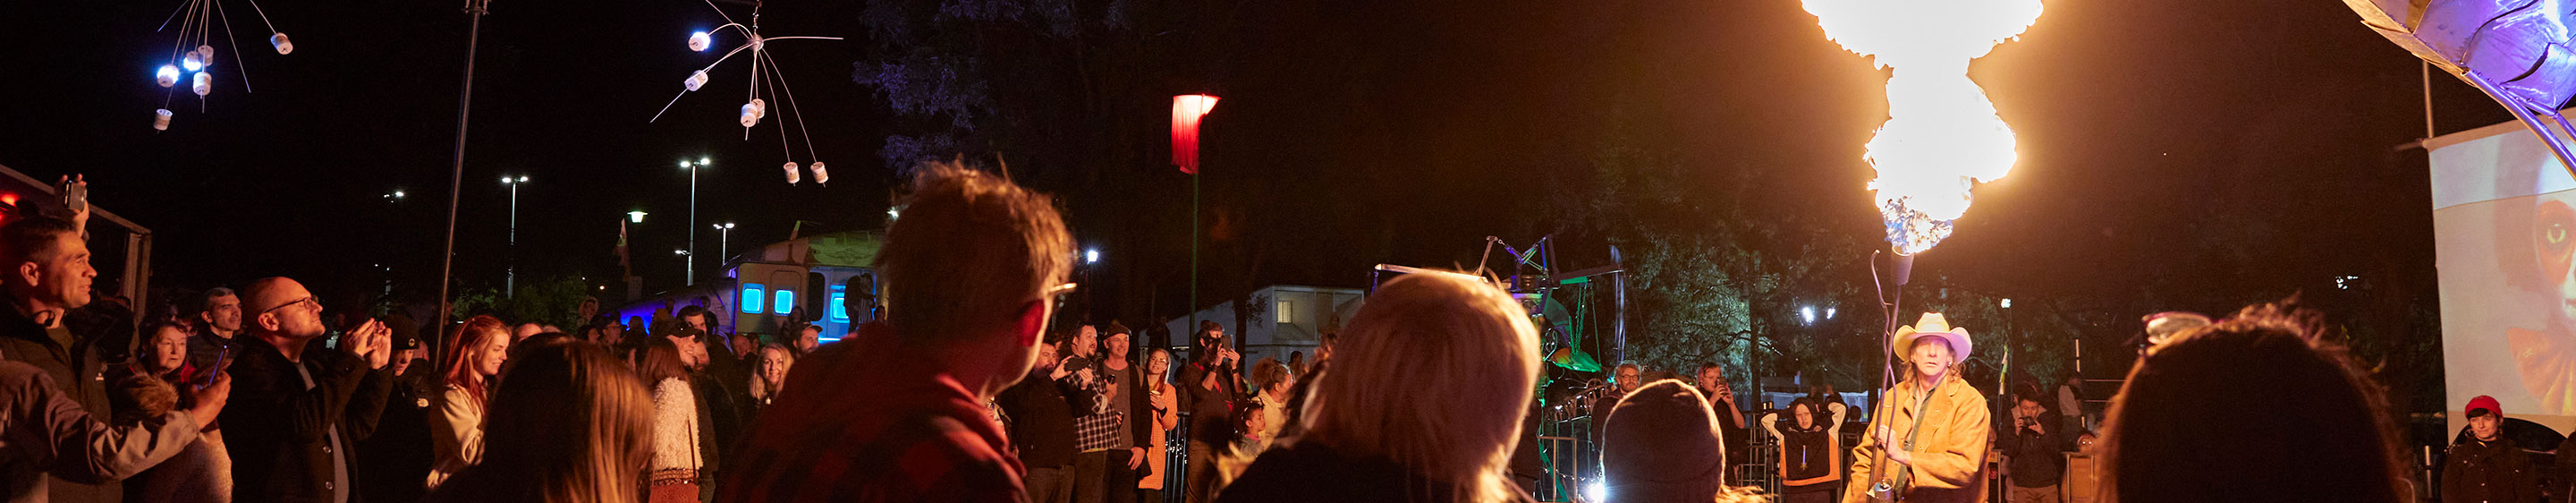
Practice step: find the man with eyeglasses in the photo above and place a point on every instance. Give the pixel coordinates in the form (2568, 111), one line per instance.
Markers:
(48, 274)
(972, 272)
(303, 403)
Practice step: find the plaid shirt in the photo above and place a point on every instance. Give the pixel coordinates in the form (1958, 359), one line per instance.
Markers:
(891, 429)
(1094, 424)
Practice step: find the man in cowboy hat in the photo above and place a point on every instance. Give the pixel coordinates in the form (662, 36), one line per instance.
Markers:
(1929, 438)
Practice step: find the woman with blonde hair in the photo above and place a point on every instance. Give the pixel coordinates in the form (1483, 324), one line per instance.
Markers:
(1164, 401)
(769, 373)
(1424, 403)
(576, 423)
(475, 352)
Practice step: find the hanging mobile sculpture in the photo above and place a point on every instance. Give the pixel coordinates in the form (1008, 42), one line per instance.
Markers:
(197, 19)
(766, 84)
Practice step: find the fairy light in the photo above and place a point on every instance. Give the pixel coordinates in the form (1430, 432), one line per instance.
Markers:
(767, 85)
(192, 54)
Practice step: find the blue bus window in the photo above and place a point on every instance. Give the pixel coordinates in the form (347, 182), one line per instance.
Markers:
(786, 301)
(751, 293)
(840, 313)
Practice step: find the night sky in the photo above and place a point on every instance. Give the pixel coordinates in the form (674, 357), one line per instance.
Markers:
(1351, 133)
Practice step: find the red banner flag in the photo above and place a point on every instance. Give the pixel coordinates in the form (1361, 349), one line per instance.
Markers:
(1186, 111)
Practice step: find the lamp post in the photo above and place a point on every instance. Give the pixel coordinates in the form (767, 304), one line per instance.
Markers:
(456, 176)
(690, 271)
(724, 241)
(510, 286)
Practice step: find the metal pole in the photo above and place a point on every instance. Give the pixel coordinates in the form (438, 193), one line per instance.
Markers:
(691, 267)
(511, 283)
(1194, 260)
(456, 178)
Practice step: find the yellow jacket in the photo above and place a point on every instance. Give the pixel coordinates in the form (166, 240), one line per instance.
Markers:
(1950, 454)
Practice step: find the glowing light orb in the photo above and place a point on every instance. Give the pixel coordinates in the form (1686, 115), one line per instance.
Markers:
(191, 62)
(161, 119)
(1942, 136)
(167, 76)
(700, 41)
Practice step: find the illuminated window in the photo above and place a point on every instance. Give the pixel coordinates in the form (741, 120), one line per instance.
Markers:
(786, 301)
(840, 312)
(751, 293)
(1287, 311)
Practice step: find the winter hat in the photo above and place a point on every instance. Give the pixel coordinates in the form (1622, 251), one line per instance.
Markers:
(2483, 405)
(1660, 444)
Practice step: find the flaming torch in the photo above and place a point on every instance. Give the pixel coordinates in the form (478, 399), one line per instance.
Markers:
(1941, 138)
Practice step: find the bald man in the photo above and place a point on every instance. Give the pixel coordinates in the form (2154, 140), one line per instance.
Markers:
(302, 404)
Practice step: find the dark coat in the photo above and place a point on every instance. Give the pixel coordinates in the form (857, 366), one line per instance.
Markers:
(79, 371)
(2481, 472)
(276, 429)
(1308, 471)
(395, 460)
(1041, 421)
(1211, 410)
(2036, 459)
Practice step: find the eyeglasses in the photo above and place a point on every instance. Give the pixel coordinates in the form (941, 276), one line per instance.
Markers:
(1057, 294)
(315, 301)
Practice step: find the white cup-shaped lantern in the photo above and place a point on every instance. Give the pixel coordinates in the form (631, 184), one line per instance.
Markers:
(205, 83)
(192, 62)
(759, 108)
(167, 76)
(695, 80)
(699, 41)
(279, 41)
(206, 55)
(790, 168)
(750, 116)
(821, 176)
(161, 119)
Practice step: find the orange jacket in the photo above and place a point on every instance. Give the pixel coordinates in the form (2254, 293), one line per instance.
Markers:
(1950, 453)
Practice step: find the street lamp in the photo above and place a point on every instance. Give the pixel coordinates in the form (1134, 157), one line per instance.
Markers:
(510, 286)
(636, 216)
(724, 241)
(1091, 256)
(690, 271)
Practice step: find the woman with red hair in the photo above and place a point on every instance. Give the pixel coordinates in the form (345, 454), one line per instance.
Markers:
(474, 354)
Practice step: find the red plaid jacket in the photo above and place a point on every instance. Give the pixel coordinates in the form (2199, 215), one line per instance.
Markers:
(888, 428)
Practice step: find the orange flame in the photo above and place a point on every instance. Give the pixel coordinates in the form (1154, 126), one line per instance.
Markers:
(1942, 136)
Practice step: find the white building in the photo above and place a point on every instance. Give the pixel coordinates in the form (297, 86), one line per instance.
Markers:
(1284, 319)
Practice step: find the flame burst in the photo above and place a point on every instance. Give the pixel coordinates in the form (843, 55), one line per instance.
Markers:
(1942, 136)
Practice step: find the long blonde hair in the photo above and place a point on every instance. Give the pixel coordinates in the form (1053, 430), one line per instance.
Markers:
(1434, 374)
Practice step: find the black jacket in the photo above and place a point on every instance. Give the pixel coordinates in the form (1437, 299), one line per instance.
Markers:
(2037, 458)
(1308, 471)
(276, 429)
(1041, 421)
(1809, 459)
(2481, 472)
(79, 371)
(1211, 410)
(396, 459)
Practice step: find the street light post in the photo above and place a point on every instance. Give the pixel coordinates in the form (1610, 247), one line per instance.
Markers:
(724, 241)
(690, 270)
(510, 285)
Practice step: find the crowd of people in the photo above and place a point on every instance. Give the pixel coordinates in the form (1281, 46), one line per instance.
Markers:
(962, 391)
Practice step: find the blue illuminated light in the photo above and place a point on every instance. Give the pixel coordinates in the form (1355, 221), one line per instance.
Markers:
(840, 312)
(751, 297)
(786, 301)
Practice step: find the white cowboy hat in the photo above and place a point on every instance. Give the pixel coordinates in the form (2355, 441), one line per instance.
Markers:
(1934, 325)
